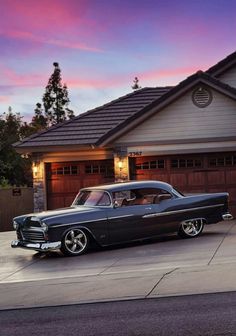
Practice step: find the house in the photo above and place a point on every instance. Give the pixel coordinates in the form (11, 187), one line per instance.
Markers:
(184, 135)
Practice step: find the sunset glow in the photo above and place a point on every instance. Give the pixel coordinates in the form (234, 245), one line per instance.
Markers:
(102, 45)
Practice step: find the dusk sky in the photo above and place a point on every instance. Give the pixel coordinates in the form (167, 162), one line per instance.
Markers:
(101, 45)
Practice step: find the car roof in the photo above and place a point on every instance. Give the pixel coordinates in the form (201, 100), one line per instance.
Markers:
(120, 186)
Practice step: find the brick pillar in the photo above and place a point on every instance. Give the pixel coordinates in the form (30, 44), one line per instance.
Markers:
(38, 184)
(121, 167)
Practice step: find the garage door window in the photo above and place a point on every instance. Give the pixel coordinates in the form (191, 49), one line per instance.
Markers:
(186, 163)
(157, 164)
(66, 170)
(99, 169)
(223, 161)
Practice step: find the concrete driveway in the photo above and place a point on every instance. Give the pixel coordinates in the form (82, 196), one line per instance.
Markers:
(162, 267)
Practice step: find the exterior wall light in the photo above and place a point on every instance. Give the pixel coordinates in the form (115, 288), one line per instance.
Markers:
(120, 164)
(35, 169)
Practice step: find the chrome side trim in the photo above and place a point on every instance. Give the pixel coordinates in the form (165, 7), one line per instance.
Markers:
(160, 214)
(78, 223)
(131, 215)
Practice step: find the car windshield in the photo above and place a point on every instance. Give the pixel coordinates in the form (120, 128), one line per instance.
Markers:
(92, 198)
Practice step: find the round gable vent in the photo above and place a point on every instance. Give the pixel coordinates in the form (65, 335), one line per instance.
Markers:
(202, 97)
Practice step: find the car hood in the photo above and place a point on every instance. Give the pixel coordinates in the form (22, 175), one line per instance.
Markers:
(58, 213)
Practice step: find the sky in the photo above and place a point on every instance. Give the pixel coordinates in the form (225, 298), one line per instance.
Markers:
(101, 45)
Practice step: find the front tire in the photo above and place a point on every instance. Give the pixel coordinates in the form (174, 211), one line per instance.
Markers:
(74, 242)
(191, 228)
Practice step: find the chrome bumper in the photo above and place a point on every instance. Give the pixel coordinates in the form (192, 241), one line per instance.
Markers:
(227, 216)
(42, 247)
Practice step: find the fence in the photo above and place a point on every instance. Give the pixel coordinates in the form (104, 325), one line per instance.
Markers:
(14, 202)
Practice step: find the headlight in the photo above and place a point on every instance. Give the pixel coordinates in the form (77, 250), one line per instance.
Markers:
(44, 227)
(15, 225)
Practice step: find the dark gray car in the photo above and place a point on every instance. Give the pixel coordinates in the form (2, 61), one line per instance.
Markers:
(117, 213)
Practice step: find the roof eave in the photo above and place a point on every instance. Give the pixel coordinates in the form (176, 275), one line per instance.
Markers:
(50, 149)
(223, 65)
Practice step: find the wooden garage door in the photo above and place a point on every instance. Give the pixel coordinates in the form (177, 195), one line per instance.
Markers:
(192, 173)
(64, 180)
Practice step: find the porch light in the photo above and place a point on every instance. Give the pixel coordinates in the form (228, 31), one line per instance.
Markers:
(35, 169)
(120, 164)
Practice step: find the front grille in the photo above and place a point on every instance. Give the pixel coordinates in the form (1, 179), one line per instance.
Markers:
(33, 236)
(19, 235)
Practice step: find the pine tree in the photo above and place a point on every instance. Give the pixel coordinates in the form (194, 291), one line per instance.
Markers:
(39, 121)
(55, 99)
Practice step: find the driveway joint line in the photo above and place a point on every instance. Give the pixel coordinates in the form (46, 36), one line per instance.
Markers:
(18, 270)
(158, 282)
(107, 268)
(217, 249)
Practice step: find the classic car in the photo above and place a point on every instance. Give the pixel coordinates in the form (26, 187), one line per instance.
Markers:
(118, 213)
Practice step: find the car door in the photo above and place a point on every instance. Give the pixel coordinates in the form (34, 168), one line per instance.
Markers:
(128, 222)
(163, 219)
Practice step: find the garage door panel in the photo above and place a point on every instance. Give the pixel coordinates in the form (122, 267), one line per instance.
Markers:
(159, 177)
(216, 178)
(231, 176)
(56, 202)
(92, 182)
(56, 186)
(232, 194)
(68, 200)
(179, 180)
(143, 177)
(64, 180)
(72, 184)
(196, 178)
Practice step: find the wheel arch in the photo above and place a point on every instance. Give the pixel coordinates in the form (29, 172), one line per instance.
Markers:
(83, 228)
(193, 219)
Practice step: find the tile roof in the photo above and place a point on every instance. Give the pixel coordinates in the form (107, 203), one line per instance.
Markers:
(89, 127)
(222, 65)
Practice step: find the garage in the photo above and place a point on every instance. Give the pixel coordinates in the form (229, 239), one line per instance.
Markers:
(65, 179)
(191, 173)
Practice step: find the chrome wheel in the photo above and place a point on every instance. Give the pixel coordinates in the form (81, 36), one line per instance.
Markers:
(191, 228)
(75, 242)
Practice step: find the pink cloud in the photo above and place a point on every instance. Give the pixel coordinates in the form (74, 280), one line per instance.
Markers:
(165, 73)
(28, 36)
(51, 22)
(4, 99)
(11, 77)
(126, 79)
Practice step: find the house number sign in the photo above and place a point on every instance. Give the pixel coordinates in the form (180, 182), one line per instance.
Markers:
(132, 154)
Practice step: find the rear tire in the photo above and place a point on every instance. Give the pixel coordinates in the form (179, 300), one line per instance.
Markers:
(191, 228)
(75, 242)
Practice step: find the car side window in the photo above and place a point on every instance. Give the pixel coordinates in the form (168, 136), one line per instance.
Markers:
(122, 198)
(161, 195)
(140, 196)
